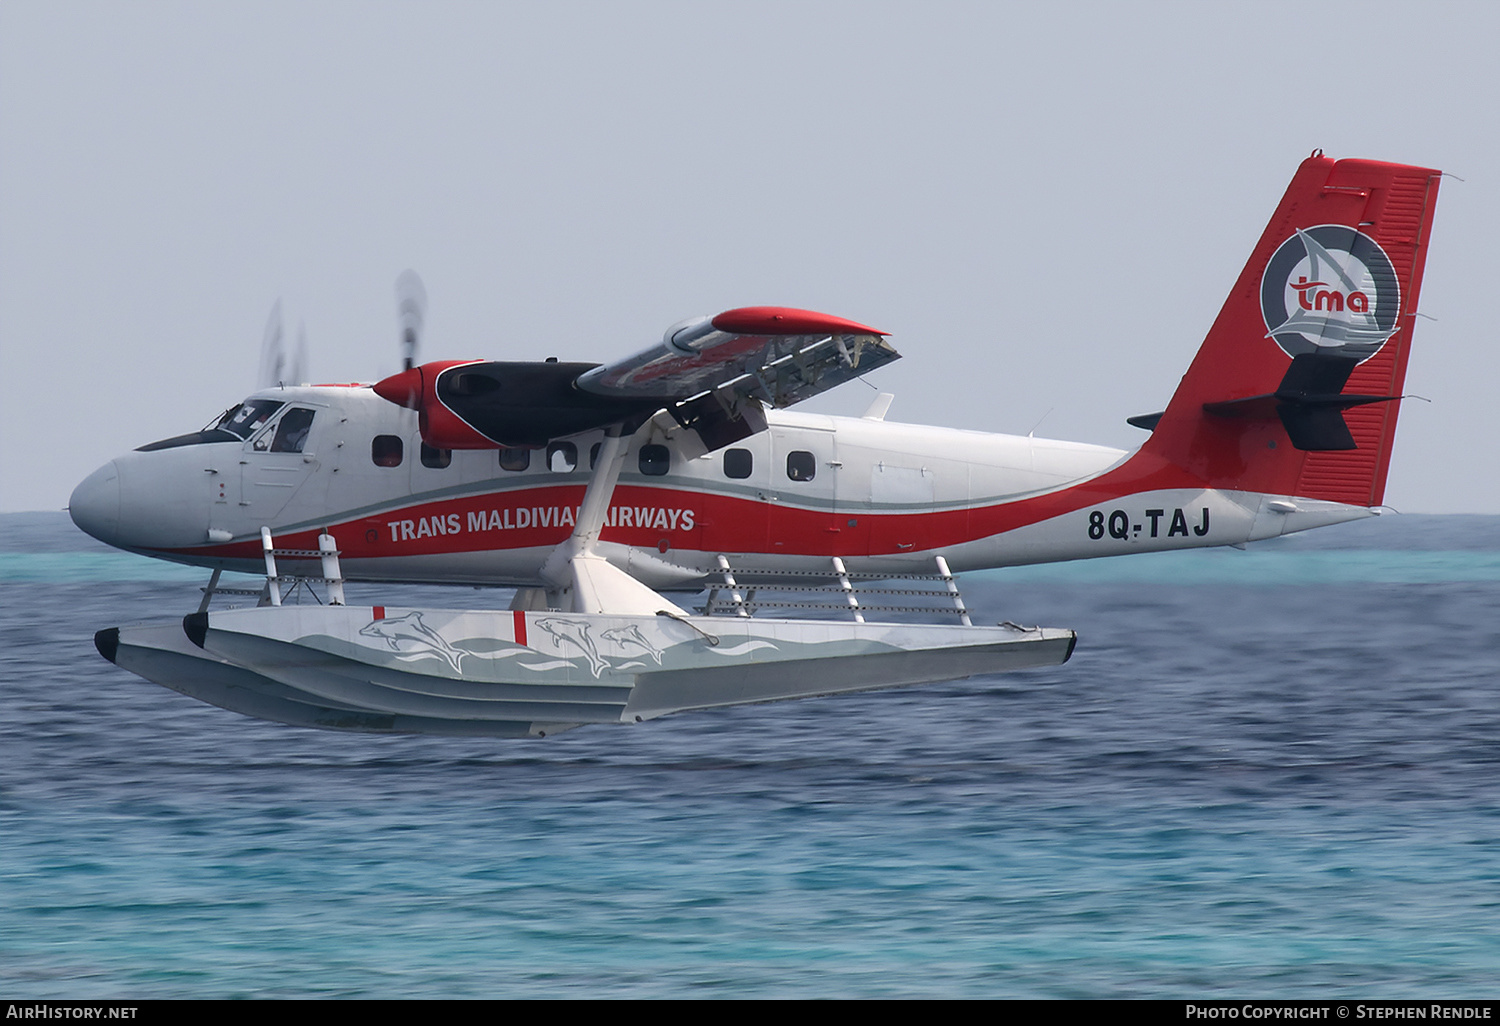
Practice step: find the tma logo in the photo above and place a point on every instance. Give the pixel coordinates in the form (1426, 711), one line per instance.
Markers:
(1330, 289)
(1326, 298)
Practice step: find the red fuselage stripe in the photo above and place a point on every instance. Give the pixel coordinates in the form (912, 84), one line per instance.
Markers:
(702, 521)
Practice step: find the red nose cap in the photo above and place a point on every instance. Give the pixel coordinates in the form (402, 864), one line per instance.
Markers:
(403, 389)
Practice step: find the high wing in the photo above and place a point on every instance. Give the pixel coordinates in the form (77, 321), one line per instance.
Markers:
(714, 375)
(776, 355)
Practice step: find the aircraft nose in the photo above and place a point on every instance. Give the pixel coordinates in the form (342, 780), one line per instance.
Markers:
(95, 505)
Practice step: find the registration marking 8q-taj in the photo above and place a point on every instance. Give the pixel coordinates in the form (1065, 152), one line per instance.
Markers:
(1119, 524)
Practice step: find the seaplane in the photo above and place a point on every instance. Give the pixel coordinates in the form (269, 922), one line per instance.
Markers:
(598, 490)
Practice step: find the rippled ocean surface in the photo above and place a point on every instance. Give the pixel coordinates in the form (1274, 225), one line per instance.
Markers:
(1263, 773)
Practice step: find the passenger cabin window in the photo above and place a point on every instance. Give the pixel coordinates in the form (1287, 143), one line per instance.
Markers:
(655, 460)
(801, 465)
(594, 454)
(738, 463)
(386, 451)
(515, 460)
(437, 459)
(291, 432)
(562, 457)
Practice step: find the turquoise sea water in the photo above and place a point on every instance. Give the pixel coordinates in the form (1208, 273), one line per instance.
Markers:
(1273, 772)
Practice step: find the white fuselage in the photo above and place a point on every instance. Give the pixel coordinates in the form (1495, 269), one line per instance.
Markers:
(886, 497)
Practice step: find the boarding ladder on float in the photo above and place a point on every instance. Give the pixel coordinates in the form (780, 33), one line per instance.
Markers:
(728, 597)
(279, 586)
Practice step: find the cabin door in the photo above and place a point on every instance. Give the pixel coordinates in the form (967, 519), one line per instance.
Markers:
(804, 492)
(276, 462)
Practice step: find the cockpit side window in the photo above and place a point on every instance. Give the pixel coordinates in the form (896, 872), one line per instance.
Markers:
(248, 417)
(291, 432)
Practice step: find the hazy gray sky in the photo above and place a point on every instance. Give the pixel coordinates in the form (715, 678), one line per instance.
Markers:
(1045, 204)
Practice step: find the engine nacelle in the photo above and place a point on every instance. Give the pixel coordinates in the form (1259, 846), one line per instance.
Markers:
(476, 404)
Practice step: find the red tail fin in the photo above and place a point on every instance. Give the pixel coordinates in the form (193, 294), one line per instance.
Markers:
(1295, 389)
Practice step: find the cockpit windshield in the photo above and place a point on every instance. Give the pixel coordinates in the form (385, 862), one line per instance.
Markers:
(235, 425)
(247, 418)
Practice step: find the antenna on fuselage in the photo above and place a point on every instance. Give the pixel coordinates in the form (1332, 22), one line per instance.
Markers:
(411, 309)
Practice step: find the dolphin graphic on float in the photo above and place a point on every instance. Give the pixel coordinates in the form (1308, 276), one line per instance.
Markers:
(576, 633)
(410, 637)
(631, 637)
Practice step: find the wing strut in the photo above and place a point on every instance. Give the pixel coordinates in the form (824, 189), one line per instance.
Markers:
(580, 579)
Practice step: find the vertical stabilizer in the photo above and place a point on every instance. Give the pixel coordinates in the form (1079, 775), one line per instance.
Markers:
(1296, 388)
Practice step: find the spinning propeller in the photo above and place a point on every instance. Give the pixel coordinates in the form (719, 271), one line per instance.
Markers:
(279, 368)
(411, 308)
(411, 311)
(275, 367)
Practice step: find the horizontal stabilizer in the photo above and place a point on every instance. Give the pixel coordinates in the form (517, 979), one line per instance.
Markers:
(1309, 402)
